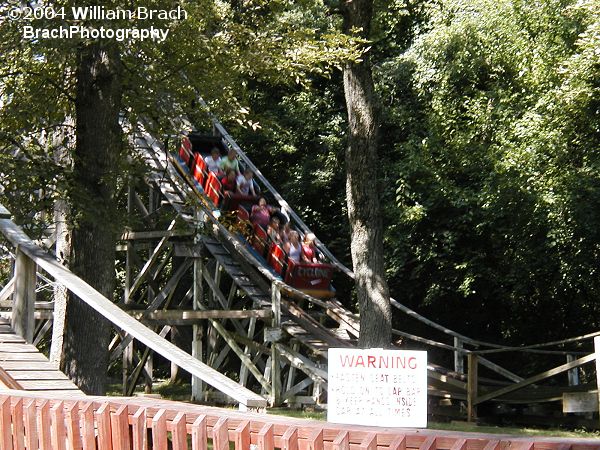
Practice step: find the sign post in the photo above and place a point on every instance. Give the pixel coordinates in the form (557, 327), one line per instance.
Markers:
(377, 387)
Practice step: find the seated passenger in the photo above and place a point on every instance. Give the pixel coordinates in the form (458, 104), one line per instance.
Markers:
(284, 234)
(273, 230)
(228, 181)
(293, 247)
(230, 162)
(213, 160)
(261, 213)
(245, 185)
(309, 250)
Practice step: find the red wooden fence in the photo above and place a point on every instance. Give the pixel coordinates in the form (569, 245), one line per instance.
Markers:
(34, 421)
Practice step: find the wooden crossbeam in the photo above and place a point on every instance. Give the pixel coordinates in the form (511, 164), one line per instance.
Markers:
(179, 317)
(535, 379)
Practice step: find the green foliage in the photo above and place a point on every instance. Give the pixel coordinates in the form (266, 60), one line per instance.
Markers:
(493, 115)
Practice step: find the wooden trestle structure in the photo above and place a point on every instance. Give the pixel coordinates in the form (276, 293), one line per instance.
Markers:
(245, 336)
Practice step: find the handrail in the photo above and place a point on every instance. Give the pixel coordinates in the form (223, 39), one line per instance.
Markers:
(124, 321)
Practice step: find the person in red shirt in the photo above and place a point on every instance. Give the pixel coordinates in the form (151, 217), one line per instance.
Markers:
(228, 181)
(309, 250)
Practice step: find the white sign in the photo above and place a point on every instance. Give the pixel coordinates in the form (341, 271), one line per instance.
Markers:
(377, 387)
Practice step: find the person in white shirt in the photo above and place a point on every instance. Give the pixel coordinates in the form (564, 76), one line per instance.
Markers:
(245, 185)
(293, 247)
(213, 161)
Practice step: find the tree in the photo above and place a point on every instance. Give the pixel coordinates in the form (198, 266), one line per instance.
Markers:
(97, 153)
(136, 79)
(362, 195)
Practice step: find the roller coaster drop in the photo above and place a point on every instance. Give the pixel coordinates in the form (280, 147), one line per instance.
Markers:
(279, 321)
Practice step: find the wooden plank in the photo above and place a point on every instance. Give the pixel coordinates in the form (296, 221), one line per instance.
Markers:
(492, 444)
(342, 441)
(7, 290)
(575, 402)
(7, 381)
(459, 444)
(23, 321)
(265, 439)
(103, 425)
(11, 338)
(43, 425)
(19, 366)
(369, 442)
(59, 433)
(472, 387)
(220, 435)
(154, 234)
(597, 356)
(73, 427)
(429, 444)
(119, 424)
(5, 436)
(535, 378)
(52, 385)
(242, 436)
(199, 434)
(18, 428)
(88, 439)
(150, 262)
(36, 375)
(31, 434)
(178, 317)
(399, 443)
(122, 320)
(315, 440)
(138, 429)
(179, 433)
(159, 431)
(289, 440)
(22, 357)
(16, 347)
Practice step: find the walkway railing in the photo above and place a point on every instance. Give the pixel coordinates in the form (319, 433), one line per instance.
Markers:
(29, 256)
(49, 422)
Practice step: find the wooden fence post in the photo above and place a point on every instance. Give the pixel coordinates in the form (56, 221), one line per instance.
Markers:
(23, 320)
(197, 330)
(472, 387)
(275, 359)
(459, 357)
(597, 350)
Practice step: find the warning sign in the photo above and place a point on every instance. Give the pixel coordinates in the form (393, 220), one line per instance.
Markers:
(377, 387)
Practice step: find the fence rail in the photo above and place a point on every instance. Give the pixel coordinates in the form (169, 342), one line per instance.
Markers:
(29, 256)
(51, 422)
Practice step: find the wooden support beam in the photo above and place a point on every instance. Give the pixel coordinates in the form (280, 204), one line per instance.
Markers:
(23, 320)
(179, 317)
(597, 355)
(157, 234)
(151, 260)
(535, 378)
(122, 320)
(197, 330)
(472, 387)
(250, 335)
(7, 291)
(156, 303)
(459, 357)
(275, 356)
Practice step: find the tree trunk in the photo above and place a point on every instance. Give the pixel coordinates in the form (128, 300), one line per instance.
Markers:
(62, 157)
(97, 152)
(361, 188)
